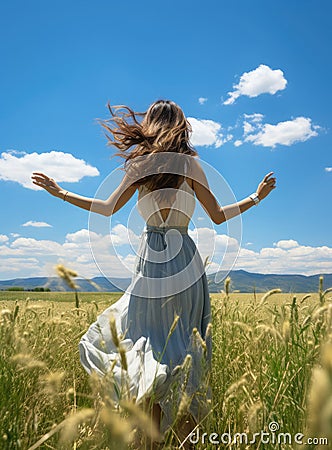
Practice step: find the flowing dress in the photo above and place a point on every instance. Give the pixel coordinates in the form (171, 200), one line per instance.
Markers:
(161, 318)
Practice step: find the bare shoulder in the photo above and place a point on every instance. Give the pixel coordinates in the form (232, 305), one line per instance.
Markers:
(196, 175)
(203, 193)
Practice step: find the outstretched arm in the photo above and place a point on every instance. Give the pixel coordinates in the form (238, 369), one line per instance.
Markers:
(209, 202)
(116, 200)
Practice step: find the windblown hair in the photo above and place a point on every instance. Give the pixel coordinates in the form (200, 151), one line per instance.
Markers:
(164, 128)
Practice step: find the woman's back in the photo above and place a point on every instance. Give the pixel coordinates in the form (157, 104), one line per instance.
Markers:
(167, 207)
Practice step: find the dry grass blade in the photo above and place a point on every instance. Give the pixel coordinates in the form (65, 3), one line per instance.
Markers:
(141, 419)
(67, 275)
(267, 295)
(69, 431)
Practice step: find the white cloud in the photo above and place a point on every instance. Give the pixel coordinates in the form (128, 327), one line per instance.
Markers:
(34, 246)
(238, 142)
(18, 167)
(122, 235)
(287, 133)
(202, 100)
(207, 133)
(247, 128)
(328, 169)
(252, 123)
(26, 257)
(211, 244)
(255, 117)
(74, 252)
(287, 256)
(82, 236)
(262, 80)
(33, 223)
(286, 244)
(21, 268)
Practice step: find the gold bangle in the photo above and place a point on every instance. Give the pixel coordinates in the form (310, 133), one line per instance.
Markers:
(64, 197)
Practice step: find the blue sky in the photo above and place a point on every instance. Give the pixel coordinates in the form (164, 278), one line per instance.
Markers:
(60, 64)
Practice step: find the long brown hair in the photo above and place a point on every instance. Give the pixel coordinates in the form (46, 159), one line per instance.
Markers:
(164, 128)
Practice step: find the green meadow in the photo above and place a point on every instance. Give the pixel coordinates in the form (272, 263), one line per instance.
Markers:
(271, 373)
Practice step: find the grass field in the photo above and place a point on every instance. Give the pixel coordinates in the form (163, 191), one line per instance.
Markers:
(110, 297)
(272, 364)
(67, 297)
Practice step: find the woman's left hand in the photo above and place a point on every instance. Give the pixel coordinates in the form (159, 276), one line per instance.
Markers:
(47, 183)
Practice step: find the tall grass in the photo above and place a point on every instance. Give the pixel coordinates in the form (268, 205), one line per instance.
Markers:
(272, 362)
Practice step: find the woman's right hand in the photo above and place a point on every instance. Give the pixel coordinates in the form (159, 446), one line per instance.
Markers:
(47, 183)
(266, 186)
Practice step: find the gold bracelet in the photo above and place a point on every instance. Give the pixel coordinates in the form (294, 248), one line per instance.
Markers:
(64, 197)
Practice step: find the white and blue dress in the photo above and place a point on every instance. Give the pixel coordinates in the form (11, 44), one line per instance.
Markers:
(169, 280)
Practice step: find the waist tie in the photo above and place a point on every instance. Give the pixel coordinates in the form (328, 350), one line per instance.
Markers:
(163, 229)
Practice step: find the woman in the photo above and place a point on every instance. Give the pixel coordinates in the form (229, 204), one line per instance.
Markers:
(167, 307)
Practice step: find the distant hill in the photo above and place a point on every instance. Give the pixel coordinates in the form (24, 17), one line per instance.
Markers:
(248, 282)
(241, 280)
(57, 284)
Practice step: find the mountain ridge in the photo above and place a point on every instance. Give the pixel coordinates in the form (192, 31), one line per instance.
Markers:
(241, 280)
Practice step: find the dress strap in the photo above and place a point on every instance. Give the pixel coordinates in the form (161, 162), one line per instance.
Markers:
(185, 167)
